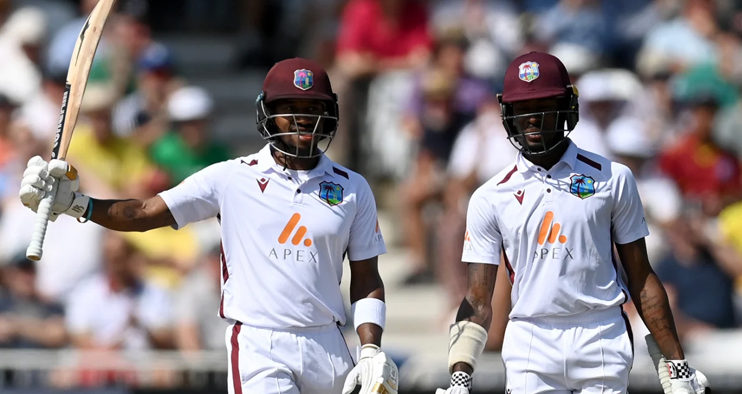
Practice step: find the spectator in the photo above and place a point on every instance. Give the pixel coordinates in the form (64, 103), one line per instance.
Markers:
(27, 320)
(188, 147)
(697, 156)
(39, 115)
(445, 100)
(118, 309)
(21, 38)
(479, 152)
(9, 154)
(379, 41)
(683, 41)
(493, 29)
(606, 96)
(630, 143)
(142, 115)
(62, 43)
(578, 22)
(116, 163)
(196, 326)
(695, 263)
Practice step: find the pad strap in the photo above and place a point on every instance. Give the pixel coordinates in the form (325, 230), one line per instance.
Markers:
(466, 343)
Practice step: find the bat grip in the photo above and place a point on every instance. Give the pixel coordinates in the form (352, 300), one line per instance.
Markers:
(35, 248)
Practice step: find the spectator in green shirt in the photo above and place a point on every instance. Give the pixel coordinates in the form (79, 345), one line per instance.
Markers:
(187, 147)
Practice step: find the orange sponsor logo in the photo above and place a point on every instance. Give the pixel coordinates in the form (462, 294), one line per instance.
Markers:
(301, 231)
(467, 237)
(550, 230)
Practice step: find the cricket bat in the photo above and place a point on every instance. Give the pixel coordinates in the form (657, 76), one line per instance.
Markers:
(77, 79)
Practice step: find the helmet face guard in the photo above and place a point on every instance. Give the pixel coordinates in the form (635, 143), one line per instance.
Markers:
(553, 127)
(323, 130)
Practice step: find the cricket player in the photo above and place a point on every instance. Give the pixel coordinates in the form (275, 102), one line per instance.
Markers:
(555, 215)
(288, 217)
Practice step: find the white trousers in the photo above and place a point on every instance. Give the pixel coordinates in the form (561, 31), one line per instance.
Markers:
(586, 354)
(303, 360)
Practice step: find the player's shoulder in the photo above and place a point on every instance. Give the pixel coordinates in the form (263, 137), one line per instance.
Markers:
(504, 178)
(601, 165)
(345, 175)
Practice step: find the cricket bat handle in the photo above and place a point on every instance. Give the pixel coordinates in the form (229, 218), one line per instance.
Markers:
(658, 359)
(35, 247)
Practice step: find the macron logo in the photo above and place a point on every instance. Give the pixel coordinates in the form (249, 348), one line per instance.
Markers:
(550, 230)
(298, 235)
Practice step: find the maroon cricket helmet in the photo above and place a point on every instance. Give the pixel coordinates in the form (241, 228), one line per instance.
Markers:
(297, 78)
(535, 75)
(300, 79)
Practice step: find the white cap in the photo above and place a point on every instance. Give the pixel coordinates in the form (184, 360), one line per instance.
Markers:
(189, 103)
(628, 136)
(609, 84)
(577, 59)
(26, 25)
(98, 96)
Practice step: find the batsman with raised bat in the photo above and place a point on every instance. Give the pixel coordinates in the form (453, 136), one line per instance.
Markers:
(289, 216)
(556, 215)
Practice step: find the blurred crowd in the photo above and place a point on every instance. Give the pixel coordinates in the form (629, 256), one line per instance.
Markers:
(659, 84)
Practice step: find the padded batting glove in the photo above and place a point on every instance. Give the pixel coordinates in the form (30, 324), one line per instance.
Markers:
(375, 373)
(684, 379)
(38, 180)
(460, 384)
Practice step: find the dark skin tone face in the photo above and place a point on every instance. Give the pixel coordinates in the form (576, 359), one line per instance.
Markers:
(531, 127)
(303, 125)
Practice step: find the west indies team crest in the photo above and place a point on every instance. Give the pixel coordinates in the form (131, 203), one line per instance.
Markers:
(528, 71)
(332, 193)
(582, 186)
(303, 79)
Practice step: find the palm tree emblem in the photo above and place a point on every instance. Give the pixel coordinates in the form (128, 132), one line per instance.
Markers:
(582, 186)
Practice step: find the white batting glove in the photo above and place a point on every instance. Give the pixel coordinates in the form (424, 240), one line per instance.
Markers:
(375, 373)
(38, 180)
(460, 384)
(684, 379)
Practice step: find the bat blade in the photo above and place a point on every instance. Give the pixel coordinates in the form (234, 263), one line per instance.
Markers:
(77, 79)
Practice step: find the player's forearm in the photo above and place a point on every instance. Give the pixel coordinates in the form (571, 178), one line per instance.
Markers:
(369, 333)
(128, 215)
(477, 304)
(653, 306)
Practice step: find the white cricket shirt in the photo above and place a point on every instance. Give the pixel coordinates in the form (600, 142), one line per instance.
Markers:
(284, 235)
(556, 228)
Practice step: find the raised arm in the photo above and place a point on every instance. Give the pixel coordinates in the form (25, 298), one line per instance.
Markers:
(121, 215)
(131, 215)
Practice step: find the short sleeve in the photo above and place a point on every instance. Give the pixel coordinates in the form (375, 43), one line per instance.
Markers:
(627, 219)
(365, 239)
(482, 241)
(197, 197)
